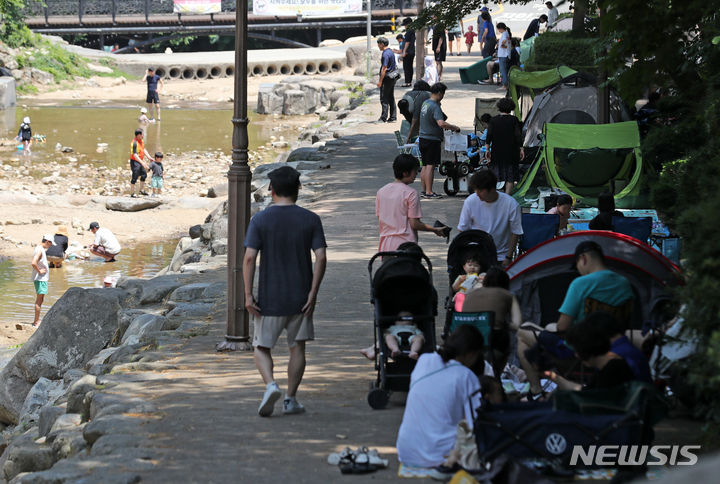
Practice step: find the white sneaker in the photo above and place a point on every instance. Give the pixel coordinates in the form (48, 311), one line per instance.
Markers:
(272, 395)
(291, 407)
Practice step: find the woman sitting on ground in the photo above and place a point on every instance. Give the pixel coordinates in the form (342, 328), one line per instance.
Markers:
(494, 296)
(606, 211)
(443, 391)
(592, 346)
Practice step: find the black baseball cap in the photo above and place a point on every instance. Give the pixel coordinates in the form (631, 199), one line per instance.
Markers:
(94, 225)
(585, 247)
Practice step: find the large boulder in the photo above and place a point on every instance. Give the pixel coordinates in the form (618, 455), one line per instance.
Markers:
(294, 102)
(80, 324)
(8, 97)
(122, 204)
(269, 101)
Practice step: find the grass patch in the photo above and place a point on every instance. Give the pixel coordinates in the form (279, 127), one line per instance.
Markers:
(26, 89)
(61, 64)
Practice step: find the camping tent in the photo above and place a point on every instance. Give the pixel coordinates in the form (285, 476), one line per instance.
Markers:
(569, 105)
(524, 86)
(584, 160)
(541, 276)
(559, 95)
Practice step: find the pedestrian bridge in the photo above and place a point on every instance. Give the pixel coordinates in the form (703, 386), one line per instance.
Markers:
(106, 18)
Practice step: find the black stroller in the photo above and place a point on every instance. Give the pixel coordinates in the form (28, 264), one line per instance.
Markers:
(465, 242)
(401, 283)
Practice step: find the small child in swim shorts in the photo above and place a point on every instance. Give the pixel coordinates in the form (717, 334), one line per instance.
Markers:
(394, 337)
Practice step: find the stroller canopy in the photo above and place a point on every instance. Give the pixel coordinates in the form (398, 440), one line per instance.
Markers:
(403, 284)
(470, 241)
(540, 277)
(584, 160)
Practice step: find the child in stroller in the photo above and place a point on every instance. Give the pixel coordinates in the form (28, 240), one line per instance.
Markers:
(404, 334)
(474, 272)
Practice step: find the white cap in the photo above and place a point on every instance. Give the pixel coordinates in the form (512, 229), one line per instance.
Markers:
(143, 110)
(50, 238)
(26, 120)
(109, 280)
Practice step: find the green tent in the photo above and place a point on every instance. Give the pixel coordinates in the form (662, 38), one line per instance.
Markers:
(534, 83)
(585, 160)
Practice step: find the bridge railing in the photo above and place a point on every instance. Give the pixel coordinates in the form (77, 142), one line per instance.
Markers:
(80, 8)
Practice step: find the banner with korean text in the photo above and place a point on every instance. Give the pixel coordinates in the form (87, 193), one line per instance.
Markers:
(308, 8)
(197, 6)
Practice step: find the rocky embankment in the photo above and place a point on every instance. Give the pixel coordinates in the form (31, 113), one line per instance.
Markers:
(71, 399)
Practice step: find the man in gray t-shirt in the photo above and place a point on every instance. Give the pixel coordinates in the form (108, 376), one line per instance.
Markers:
(285, 235)
(432, 124)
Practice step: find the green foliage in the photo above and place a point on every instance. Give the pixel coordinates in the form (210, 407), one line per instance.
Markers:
(655, 43)
(12, 26)
(55, 60)
(563, 48)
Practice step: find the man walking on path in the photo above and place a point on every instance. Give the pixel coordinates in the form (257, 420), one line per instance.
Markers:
(285, 235)
(388, 76)
(397, 207)
(138, 166)
(496, 213)
(40, 275)
(432, 124)
(105, 245)
(152, 92)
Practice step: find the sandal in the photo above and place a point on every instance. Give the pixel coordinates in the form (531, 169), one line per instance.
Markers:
(357, 462)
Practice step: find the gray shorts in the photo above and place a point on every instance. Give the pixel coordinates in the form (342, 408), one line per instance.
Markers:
(268, 328)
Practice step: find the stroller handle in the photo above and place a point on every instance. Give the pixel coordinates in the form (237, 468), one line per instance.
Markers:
(400, 253)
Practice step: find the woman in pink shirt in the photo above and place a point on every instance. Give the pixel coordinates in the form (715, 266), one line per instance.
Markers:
(562, 208)
(397, 207)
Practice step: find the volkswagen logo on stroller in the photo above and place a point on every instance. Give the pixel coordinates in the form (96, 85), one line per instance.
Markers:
(555, 444)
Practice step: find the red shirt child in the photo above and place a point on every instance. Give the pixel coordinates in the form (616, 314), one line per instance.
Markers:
(470, 36)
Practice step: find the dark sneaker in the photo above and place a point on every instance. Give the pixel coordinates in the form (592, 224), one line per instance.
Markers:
(272, 395)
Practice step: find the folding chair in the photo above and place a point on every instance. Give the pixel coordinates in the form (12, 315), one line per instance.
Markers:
(537, 228)
(638, 227)
(484, 322)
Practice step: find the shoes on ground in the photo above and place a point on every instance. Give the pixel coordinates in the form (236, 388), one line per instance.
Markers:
(132, 195)
(292, 407)
(430, 196)
(144, 193)
(392, 120)
(381, 120)
(272, 395)
(443, 473)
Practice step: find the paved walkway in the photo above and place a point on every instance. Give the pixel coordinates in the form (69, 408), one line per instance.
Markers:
(211, 431)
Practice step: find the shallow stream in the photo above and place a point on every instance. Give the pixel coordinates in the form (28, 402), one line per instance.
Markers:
(17, 294)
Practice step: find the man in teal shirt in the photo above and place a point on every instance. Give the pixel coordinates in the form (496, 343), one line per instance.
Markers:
(596, 281)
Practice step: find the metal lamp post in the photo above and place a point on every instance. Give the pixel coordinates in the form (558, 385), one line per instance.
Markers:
(238, 331)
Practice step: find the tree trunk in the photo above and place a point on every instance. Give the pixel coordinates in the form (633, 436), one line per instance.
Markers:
(578, 25)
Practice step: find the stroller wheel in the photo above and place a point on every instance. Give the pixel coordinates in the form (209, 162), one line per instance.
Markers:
(449, 187)
(378, 398)
(463, 169)
(443, 169)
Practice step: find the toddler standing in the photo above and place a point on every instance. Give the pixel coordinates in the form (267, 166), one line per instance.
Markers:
(158, 173)
(470, 38)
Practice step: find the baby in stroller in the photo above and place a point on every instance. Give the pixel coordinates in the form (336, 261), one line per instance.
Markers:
(473, 276)
(404, 333)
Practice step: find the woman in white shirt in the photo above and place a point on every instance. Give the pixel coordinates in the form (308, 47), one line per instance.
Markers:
(443, 391)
